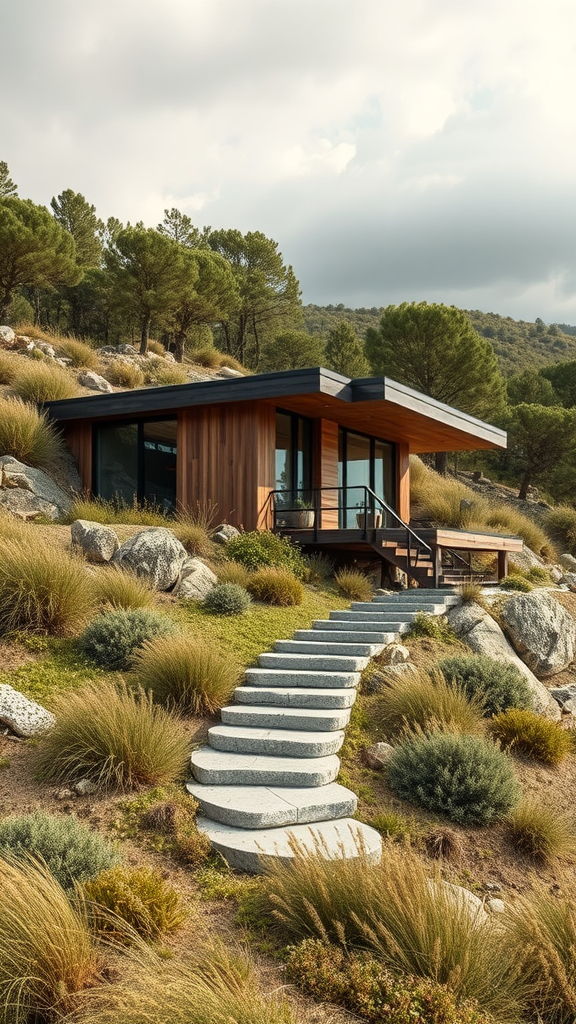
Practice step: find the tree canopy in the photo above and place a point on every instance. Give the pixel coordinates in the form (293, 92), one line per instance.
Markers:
(7, 186)
(293, 350)
(539, 439)
(77, 216)
(345, 353)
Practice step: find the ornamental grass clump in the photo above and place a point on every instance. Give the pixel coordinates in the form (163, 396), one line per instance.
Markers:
(181, 673)
(111, 640)
(425, 701)
(465, 777)
(115, 589)
(354, 584)
(47, 952)
(542, 831)
(526, 732)
(227, 599)
(69, 849)
(515, 582)
(79, 353)
(140, 897)
(560, 523)
(117, 738)
(275, 586)
(43, 382)
(499, 684)
(26, 434)
(42, 589)
(232, 572)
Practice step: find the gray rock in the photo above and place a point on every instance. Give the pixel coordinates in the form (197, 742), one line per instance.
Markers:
(224, 533)
(568, 580)
(228, 371)
(568, 561)
(7, 336)
(570, 706)
(97, 543)
(85, 787)
(24, 490)
(525, 559)
(46, 349)
(377, 681)
(395, 654)
(541, 631)
(563, 694)
(196, 580)
(23, 716)
(95, 382)
(155, 555)
(462, 898)
(378, 755)
(555, 573)
(476, 627)
(495, 906)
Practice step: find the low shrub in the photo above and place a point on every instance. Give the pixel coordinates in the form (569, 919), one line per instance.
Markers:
(111, 640)
(560, 523)
(227, 599)
(276, 586)
(140, 897)
(68, 848)
(354, 584)
(427, 702)
(434, 627)
(541, 831)
(465, 777)
(115, 588)
(78, 352)
(26, 434)
(181, 673)
(500, 685)
(320, 568)
(163, 374)
(43, 382)
(173, 830)
(115, 738)
(125, 374)
(42, 589)
(367, 988)
(534, 735)
(538, 574)
(232, 572)
(47, 953)
(260, 548)
(512, 582)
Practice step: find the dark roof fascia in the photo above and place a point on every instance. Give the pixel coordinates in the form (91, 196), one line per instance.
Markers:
(180, 396)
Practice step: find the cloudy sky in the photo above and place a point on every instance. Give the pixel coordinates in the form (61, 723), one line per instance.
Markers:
(395, 149)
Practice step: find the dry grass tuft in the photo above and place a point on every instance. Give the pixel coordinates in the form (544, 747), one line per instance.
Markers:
(526, 732)
(541, 831)
(425, 701)
(443, 843)
(182, 673)
(354, 585)
(43, 382)
(26, 434)
(78, 352)
(125, 374)
(115, 588)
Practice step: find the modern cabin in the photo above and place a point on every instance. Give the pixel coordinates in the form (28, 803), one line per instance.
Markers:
(308, 453)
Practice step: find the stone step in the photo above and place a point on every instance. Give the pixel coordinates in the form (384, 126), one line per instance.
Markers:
(318, 647)
(321, 632)
(253, 850)
(295, 696)
(273, 806)
(284, 677)
(266, 717)
(237, 739)
(217, 768)
(372, 614)
(313, 662)
(363, 626)
(430, 607)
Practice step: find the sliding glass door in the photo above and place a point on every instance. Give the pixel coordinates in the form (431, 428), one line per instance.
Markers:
(136, 462)
(364, 462)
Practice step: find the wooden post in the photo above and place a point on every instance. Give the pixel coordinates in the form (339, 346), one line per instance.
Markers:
(437, 558)
(502, 565)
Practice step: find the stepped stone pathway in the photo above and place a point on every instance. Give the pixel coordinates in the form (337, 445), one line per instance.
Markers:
(266, 780)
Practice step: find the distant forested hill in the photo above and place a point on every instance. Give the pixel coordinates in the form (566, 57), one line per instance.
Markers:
(518, 344)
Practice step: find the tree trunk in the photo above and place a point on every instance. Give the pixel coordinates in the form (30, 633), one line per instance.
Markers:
(179, 343)
(526, 481)
(144, 336)
(441, 462)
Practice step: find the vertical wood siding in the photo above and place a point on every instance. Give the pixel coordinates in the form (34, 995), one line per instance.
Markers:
(78, 437)
(403, 481)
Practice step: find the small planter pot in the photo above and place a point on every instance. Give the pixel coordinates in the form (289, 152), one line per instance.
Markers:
(369, 520)
(296, 519)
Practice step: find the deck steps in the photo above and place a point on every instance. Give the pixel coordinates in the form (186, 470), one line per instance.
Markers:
(267, 778)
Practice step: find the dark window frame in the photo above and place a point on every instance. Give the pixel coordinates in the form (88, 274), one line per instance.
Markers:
(295, 419)
(139, 423)
(343, 433)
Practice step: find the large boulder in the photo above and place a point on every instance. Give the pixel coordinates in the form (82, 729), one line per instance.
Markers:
(97, 543)
(7, 337)
(567, 561)
(195, 581)
(155, 555)
(23, 716)
(541, 631)
(26, 491)
(476, 627)
(95, 382)
(225, 532)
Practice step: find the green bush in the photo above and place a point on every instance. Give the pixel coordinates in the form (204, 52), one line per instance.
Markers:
(500, 685)
(43, 382)
(435, 627)
(227, 599)
(354, 584)
(542, 831)
(111, 640)
(537, 574)
(140, 897)
(70, 850)
(465, 777)
(115, 738)
(26, 434)
(365, 986)
(181, 673)
(261, 548)
(529, 733)
(424, 701)
(513, 582)
(276, 586)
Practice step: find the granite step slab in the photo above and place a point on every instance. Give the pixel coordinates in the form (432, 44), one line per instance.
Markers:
(325, 647)
(313, 662)
(397, 608)
(284, 677)
(322, 633)
(372, 615)
(374, 626)
(257, 807)
(265, 717)
(219, 768)
(295, 696)
(253, 850)
(237, 739)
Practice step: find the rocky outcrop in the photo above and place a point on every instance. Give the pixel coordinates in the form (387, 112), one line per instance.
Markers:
(483, 635)
(567, 561)
(7, 337)
(541, 631)
(195, 581)
(21, 715)
(155, 555)
(97, 543)
(95, 382)
(27, 492)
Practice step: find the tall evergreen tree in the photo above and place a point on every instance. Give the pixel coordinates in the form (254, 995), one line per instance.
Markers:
(7, 186)
(345, 352)
(179, 227)
(77, 216)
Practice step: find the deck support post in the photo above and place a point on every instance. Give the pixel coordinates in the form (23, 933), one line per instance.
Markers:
(502, 565)
(437, 558)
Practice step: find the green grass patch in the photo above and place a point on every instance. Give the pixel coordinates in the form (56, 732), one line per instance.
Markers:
(61, 668)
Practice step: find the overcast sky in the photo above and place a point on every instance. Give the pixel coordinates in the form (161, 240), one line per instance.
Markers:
(395, 149)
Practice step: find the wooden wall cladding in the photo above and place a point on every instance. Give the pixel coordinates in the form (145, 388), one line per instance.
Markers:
(325, 450)
(403, 481)
(78, 436)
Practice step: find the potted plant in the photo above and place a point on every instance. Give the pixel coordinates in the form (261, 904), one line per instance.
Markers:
(300, 515)
(369, 519)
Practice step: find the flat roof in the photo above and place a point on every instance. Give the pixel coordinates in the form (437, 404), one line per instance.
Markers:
(372, 405)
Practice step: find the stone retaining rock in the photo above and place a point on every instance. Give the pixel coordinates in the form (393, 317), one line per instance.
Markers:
(23, 716)
(196, 580)
(378, 755)
(224, 533)
(541, 631)
(568, 562)
(95, 382)
(24, 490)
(155, 555)
(97, 543)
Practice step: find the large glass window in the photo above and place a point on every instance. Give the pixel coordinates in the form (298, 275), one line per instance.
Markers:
(293, 456)
(136, 461)
(365, 462)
